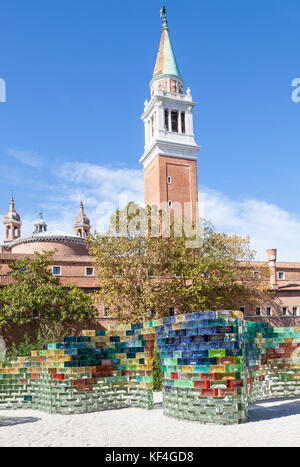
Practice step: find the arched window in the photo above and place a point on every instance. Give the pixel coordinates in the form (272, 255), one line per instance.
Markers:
(166, 119)
(174, 121)
(183, 122)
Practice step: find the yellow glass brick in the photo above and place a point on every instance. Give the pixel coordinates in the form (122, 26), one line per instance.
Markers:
(227, 377)
(217, 369)
(238, 314)
(179, 318)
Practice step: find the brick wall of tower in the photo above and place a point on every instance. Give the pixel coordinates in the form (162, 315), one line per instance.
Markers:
(183, 188)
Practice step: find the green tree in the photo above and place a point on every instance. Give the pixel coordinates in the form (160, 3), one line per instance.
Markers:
(36, 293)
(144, 267)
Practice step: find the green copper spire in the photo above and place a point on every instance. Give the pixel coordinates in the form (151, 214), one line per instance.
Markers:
(166, 64)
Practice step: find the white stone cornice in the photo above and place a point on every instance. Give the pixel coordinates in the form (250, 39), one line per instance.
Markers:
(161, 97)
(169, 149)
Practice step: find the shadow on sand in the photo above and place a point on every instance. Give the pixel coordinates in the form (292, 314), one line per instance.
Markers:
(9, 421)
(258, 413)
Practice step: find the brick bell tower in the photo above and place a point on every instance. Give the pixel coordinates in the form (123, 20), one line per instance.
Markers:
(12, 223)
(169, 160)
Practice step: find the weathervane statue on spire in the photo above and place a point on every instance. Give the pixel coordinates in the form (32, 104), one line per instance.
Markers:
(163, 14)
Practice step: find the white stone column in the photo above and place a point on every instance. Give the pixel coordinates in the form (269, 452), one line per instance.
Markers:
(160, 114)
(146, 133)
(189, 121)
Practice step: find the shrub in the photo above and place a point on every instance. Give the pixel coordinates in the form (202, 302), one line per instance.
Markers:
(157, 380)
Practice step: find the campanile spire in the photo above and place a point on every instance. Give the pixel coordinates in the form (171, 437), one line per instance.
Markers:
(166, 74)
(170, 156)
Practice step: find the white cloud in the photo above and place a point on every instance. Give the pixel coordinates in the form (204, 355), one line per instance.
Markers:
(30, 158)
(105, 182)
(268, 225)
(101, 189)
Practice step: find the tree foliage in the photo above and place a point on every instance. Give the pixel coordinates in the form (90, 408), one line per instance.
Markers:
(144, 269)
(35, 292)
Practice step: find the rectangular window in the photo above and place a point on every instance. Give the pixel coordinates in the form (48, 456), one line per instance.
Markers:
(242, 309)
(295, 311)
(56, 270)
(285, 310)
(89, 271)
(169, 180)
(152, 126)
(174, 121)
(281, 275)
(183, 122)
(258, 311)
(35, 314)
(166, 119)
(268, 311)
(171, 311)
(105, 311)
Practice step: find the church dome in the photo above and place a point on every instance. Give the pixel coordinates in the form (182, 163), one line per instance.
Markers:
(64, 243)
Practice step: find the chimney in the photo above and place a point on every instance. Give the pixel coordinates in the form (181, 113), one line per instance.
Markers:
(272, 258)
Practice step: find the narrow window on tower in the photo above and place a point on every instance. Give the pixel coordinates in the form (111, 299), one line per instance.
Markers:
(174, 121)
(169, 180)
(183, 122)
(166, 119)
(170, 204)
(152, 126)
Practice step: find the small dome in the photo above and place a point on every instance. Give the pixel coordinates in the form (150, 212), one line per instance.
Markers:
(40, 225)
(82, 218)
(12, 214)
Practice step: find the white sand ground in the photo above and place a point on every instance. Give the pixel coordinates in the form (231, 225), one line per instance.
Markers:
(272, 423)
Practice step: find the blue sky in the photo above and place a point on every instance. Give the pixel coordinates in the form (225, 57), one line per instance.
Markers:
(77, 75)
